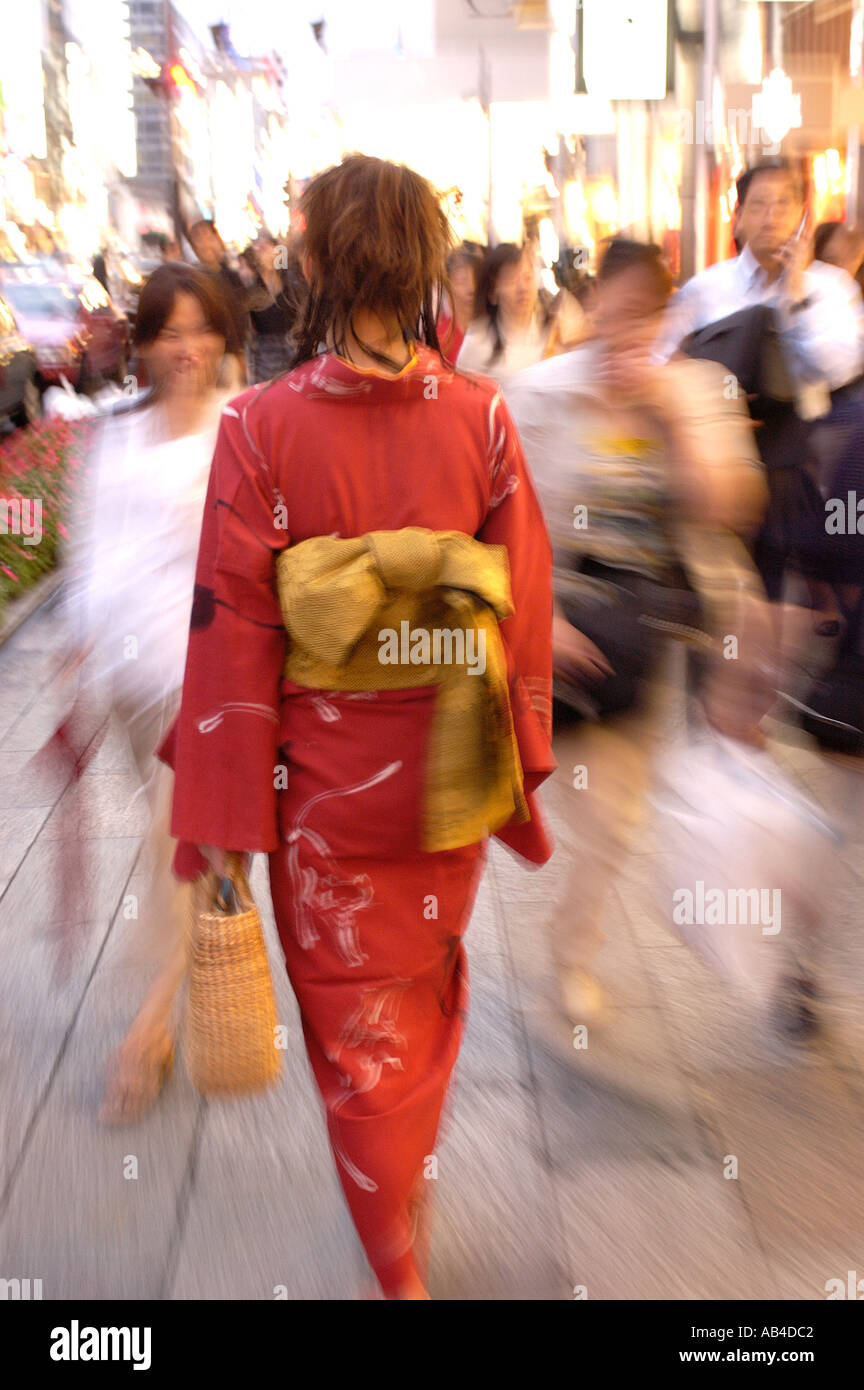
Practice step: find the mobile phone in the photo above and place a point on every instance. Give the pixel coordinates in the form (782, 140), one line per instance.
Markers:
(801, 225)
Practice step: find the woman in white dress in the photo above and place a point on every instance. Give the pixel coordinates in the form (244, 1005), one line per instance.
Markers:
(133, 572)
(514, 325)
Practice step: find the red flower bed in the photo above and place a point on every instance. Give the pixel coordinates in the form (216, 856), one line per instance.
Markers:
(39, 470)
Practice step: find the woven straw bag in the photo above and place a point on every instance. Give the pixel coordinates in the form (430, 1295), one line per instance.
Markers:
(229, 1035)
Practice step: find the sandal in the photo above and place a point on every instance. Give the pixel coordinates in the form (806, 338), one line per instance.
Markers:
(137, 1076)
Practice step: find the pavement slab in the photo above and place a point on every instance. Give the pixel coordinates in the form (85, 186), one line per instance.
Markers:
(602, 1171)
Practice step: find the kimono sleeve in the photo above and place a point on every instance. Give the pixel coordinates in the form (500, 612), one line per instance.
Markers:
(514, 519)
(224, 744)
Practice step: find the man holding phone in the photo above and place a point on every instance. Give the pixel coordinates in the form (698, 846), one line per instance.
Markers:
(804, 318)
(819, 308)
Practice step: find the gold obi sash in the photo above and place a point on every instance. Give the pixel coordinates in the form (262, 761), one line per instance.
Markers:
(341, 600)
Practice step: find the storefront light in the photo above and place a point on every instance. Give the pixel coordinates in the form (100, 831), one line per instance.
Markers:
(604, 204)
(777, 109)
(856, 41)
(130, 272)
(548, 241)
(575, 205)
(16, 238)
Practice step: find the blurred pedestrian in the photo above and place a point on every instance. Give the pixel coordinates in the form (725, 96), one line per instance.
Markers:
(837, 434)
(648, 476)
(210, 250)
(513, 326)
(463, 274)
(839, 244)
(370, 495)
(274, 303)
(131, 578)
(820, 315)
(817, 315)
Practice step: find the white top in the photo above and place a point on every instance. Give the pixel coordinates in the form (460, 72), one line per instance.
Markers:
(136, 557)
(520, 350)
(825, 341)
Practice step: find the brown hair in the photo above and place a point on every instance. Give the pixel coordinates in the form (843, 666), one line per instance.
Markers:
(496, 259)
(378, 239)
(157, 299)
(622, 254)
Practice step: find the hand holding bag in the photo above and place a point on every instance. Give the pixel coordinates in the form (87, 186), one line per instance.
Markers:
(229, 1034)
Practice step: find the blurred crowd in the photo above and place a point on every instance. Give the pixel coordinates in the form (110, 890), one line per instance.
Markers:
(677, 447)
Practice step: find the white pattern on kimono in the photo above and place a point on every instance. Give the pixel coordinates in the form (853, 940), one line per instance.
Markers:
(329, 711)
(212, 721)
(319, 378)
(371, 1036)
(331, 898)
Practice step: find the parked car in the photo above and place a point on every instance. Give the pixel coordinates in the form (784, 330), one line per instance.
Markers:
(75, 329)
(20, 396)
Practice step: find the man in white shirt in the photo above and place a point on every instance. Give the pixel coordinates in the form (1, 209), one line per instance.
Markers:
(819, 307)
(819, 314)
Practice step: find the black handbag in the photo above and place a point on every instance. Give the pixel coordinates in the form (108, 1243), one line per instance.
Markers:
(626, 616)
(748, 345)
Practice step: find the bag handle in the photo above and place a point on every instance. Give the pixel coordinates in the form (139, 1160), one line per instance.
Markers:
(232, 894)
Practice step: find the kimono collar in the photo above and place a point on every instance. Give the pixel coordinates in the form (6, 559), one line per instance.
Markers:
(329, 375)
(378, 371)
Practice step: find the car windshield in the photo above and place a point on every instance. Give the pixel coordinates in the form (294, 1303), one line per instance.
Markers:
(43, 301)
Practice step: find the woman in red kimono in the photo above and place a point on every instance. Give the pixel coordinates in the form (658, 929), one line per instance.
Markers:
(337, 774)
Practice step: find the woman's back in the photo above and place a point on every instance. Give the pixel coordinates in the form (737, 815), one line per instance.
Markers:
(352, 451)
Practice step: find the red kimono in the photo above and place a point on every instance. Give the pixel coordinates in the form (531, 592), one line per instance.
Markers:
(371, 925)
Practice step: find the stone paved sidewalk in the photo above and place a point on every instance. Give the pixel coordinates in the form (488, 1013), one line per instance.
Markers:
(601, 1168)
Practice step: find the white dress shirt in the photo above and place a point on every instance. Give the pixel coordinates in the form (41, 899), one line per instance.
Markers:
(824, 340)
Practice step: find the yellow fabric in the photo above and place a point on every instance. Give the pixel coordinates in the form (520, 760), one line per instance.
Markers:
(337, 597)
